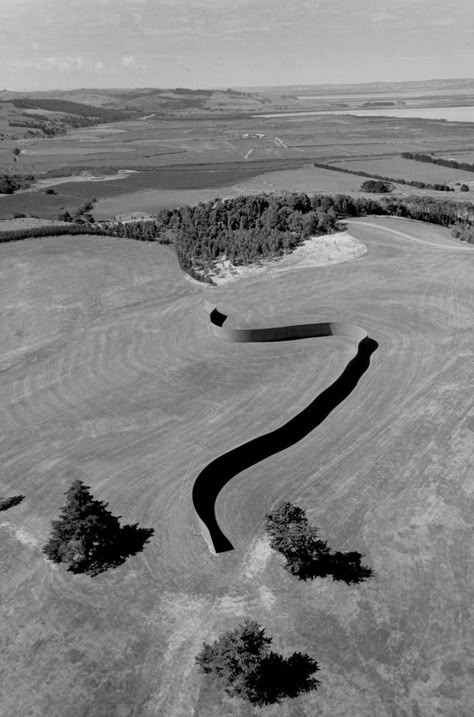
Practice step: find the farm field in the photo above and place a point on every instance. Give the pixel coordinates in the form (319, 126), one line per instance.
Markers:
(172, 160)
(409, 169)
(178, 182)
(303, 179)
(111, 374)
(164, 162)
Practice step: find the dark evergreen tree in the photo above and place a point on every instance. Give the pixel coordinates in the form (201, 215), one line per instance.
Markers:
(242, 664)
(88, 538)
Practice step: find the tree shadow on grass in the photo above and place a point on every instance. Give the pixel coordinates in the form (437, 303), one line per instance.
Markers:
(277, 678)
(10, 502)
(130, 540)
(342, 567)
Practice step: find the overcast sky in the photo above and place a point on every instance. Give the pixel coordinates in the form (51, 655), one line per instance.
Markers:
(221, 43)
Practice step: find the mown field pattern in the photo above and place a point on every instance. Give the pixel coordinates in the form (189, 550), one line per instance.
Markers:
(111, 374)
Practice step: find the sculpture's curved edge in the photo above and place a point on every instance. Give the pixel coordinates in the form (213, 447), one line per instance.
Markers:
(282, 333)
(212, 534)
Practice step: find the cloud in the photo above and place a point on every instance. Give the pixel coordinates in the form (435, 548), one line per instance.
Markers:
(69, 63)
(443, 21)
(384, 17)
(129, 61)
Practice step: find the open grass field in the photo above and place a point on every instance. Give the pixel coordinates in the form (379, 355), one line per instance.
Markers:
(409, 169)
(111, 374)
(303, 179)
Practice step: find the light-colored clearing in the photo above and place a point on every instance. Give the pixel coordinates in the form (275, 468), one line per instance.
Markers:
(314, 252)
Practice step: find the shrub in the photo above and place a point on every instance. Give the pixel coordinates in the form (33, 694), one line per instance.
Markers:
(243, 665)
(307, 556)
(376, 186)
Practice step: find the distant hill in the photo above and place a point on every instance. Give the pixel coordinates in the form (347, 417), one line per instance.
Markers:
(29, 114)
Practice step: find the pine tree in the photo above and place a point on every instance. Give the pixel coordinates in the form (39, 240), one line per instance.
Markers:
(86, 534)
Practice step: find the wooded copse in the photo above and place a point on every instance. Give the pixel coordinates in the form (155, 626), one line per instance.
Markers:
(250, 228)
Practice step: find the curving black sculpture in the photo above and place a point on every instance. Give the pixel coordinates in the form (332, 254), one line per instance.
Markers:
(220, 471)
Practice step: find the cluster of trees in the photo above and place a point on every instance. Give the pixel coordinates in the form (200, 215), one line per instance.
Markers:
(242, 663)
(376, 186)
(464, 232)
(245, 229)
(307, 556)
(10, 183)
(452, 163)
(250, 228)
(408, 182)
(82, 215)
(88, 538)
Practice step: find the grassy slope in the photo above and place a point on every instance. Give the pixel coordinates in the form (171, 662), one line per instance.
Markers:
(112, 375)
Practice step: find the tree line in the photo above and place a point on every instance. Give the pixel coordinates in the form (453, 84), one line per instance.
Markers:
(452, 163)
(408, 182)
(248, 229)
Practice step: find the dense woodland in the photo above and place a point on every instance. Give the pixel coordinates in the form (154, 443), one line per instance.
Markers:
(250, 228)
(409, 182)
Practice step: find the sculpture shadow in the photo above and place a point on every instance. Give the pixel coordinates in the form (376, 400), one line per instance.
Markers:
(342, 567)
(216, 474)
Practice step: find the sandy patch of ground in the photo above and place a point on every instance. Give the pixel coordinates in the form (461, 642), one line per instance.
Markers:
(317, 251)
(257, 558)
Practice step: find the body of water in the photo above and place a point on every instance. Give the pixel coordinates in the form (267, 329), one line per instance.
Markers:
(451, 114)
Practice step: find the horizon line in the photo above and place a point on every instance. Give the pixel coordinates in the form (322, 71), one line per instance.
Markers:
(219, 88)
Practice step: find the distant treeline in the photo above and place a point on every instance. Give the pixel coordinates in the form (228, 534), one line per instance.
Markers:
(10, 183)
(452, 163)
(409, 182)
(247, 229)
